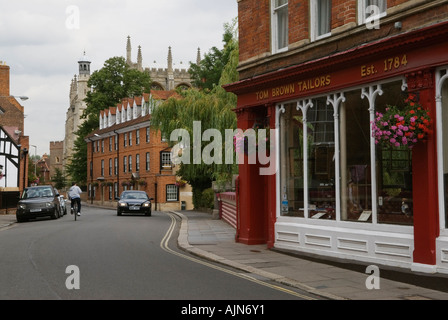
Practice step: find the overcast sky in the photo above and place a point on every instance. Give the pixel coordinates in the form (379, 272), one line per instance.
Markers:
(43, 40)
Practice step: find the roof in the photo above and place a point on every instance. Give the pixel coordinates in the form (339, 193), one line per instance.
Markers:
(122, 125)
(164, 94)
(129, 102)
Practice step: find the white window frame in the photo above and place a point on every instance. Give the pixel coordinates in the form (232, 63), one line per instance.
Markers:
(166, 161)
(172, 193)
(362, 6)
(275, 27)
(314, 21)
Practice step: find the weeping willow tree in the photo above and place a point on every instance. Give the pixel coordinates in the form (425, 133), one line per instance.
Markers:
(214, 110)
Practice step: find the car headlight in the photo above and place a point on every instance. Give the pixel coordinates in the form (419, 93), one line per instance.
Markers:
(122, 204)
(49, 205)
(147, 204)
(22, 206)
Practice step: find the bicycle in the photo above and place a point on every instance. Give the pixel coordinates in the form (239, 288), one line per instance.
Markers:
(74, 209)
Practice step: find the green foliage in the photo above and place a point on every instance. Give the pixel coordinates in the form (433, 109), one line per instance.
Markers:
(58, 179)
(204, 199)
(115, 81)
(77, 166)
(208, 73)
(214, 109)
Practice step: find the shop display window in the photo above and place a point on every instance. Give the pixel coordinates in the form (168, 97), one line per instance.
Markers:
(321, 161)
(356, 183)
(391, 201)
(445, 147)
(394, 168)
(292, 177)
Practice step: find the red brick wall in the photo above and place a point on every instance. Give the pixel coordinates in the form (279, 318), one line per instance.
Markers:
(151, 177)
(298, 20)
(255, 32)
(254, 28)
(344, 12)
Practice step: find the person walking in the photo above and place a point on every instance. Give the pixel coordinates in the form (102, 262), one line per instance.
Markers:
(74, 194)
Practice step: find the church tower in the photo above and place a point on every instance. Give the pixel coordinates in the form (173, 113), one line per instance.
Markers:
(78, 92)
(84, 65)
(169, 78)
(129, 52)
(83, 77)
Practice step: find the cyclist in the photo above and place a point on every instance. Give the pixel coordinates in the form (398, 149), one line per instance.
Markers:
(74, 194)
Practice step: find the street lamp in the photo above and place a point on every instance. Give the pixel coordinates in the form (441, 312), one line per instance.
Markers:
(91, 166)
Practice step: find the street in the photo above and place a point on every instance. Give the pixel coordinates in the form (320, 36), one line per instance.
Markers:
(105, 257)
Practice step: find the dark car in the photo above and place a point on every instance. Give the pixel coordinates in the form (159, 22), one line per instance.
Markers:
(134, 202)
(36, 202)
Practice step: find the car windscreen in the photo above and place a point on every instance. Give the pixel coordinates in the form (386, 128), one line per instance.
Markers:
(137, 195)
(37, 193)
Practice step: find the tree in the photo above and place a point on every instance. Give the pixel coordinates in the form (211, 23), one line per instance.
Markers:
(58, 179)
(214, 109)
(32, 169)
(115, 81)
(207, 74)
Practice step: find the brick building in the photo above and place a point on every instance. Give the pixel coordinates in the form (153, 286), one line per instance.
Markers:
(320, 72)
(124, 153)
(14, 145)
(56, 156)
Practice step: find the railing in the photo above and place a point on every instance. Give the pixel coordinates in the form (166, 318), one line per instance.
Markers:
(228, 208)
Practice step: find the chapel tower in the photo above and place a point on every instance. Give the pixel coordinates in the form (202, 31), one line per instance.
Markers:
(78, 92)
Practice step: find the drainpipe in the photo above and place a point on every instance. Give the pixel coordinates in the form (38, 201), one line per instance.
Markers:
(118, 161)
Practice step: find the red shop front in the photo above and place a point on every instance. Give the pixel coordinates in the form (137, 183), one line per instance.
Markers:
(335, 192)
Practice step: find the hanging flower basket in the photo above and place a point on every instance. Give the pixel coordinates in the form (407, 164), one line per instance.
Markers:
(126, 183)
(402, 127)
(181, 183)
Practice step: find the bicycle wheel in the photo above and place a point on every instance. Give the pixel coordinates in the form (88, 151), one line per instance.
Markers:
(75, 210)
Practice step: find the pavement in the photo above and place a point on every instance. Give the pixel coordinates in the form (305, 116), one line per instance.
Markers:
(214, 240)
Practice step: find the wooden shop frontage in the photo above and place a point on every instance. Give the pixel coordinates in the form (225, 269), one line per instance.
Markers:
(351, 182)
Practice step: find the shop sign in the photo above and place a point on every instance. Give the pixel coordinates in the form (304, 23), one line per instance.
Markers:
(370, 71)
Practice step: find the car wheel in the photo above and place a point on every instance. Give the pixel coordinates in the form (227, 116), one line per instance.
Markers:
(148, 214)
(118, 213)
(21, 220)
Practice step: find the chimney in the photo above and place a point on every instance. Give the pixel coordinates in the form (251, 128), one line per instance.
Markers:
(4, 79)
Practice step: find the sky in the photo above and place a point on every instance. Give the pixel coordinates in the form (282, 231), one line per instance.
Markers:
(43, 40)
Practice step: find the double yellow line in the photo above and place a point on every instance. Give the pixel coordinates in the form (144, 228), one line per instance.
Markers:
(164, 245)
